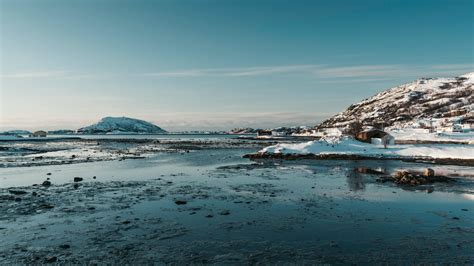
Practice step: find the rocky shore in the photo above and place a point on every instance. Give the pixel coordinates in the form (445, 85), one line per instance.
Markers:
(288, 156)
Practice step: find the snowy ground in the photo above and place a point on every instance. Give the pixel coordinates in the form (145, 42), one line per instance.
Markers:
(418, 135)
(349, 146)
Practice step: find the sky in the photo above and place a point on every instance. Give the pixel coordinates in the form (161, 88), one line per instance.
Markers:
(216, 65)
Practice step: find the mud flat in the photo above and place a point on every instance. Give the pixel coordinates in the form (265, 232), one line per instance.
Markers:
(212, 206)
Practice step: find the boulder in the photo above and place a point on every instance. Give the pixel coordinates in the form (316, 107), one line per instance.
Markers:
(429, 172)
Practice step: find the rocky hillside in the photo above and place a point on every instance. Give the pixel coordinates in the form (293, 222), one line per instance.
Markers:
(436, 100)
(121, 125)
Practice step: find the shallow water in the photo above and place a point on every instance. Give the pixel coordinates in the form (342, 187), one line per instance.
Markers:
(237, 211)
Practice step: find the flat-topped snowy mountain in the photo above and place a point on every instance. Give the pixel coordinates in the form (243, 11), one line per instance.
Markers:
(121, 125)
(437, 102)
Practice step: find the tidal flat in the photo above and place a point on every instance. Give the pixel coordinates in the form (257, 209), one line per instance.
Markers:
(201, 202)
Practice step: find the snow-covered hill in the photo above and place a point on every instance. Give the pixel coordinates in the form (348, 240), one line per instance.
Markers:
(426, 102)
(121, 125)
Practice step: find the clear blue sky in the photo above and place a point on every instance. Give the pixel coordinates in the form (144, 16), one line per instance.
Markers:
(218, 64)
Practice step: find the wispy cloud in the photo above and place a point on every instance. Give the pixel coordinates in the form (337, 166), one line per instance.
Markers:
(320, 72)
(377, 73)
(236, 72)
(327, 73)
(363, 71)
(468, 67)
(33, 75)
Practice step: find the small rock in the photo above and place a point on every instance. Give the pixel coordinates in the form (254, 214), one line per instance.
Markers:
(46, 183)
(180, 202)
(455, 218)
(48, 173)
(78, 179)
(76, 186)
(17, 192)
(209, 216)
(429, 172)
(46, 206)
(430, 189)
(126, 222)
(225, 212)
(64, 246)
(464, 210)
(94, 177)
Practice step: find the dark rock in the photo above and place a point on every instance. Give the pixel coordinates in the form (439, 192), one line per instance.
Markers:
(209, 216)
(46, 206)
(76, 186)
(180, 202)
(94, 177)
(64, 246)
(48, 173)
(46, 183)
(78, 179)
(225, 212)
(430, 189)
(17, 192)
(50, 259)
(429, 172)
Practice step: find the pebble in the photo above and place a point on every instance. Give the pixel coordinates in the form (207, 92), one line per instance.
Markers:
(180, 202)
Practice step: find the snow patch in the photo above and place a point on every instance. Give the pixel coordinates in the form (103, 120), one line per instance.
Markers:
(350, 146)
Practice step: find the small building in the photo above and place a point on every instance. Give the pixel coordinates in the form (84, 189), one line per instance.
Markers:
(39, 133)
(375, 136)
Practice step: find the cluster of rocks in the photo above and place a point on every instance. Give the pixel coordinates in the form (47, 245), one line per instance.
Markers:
(415, 179)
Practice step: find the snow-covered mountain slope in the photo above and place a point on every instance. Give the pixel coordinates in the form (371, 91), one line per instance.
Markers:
(121, 125)
(431, 100)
